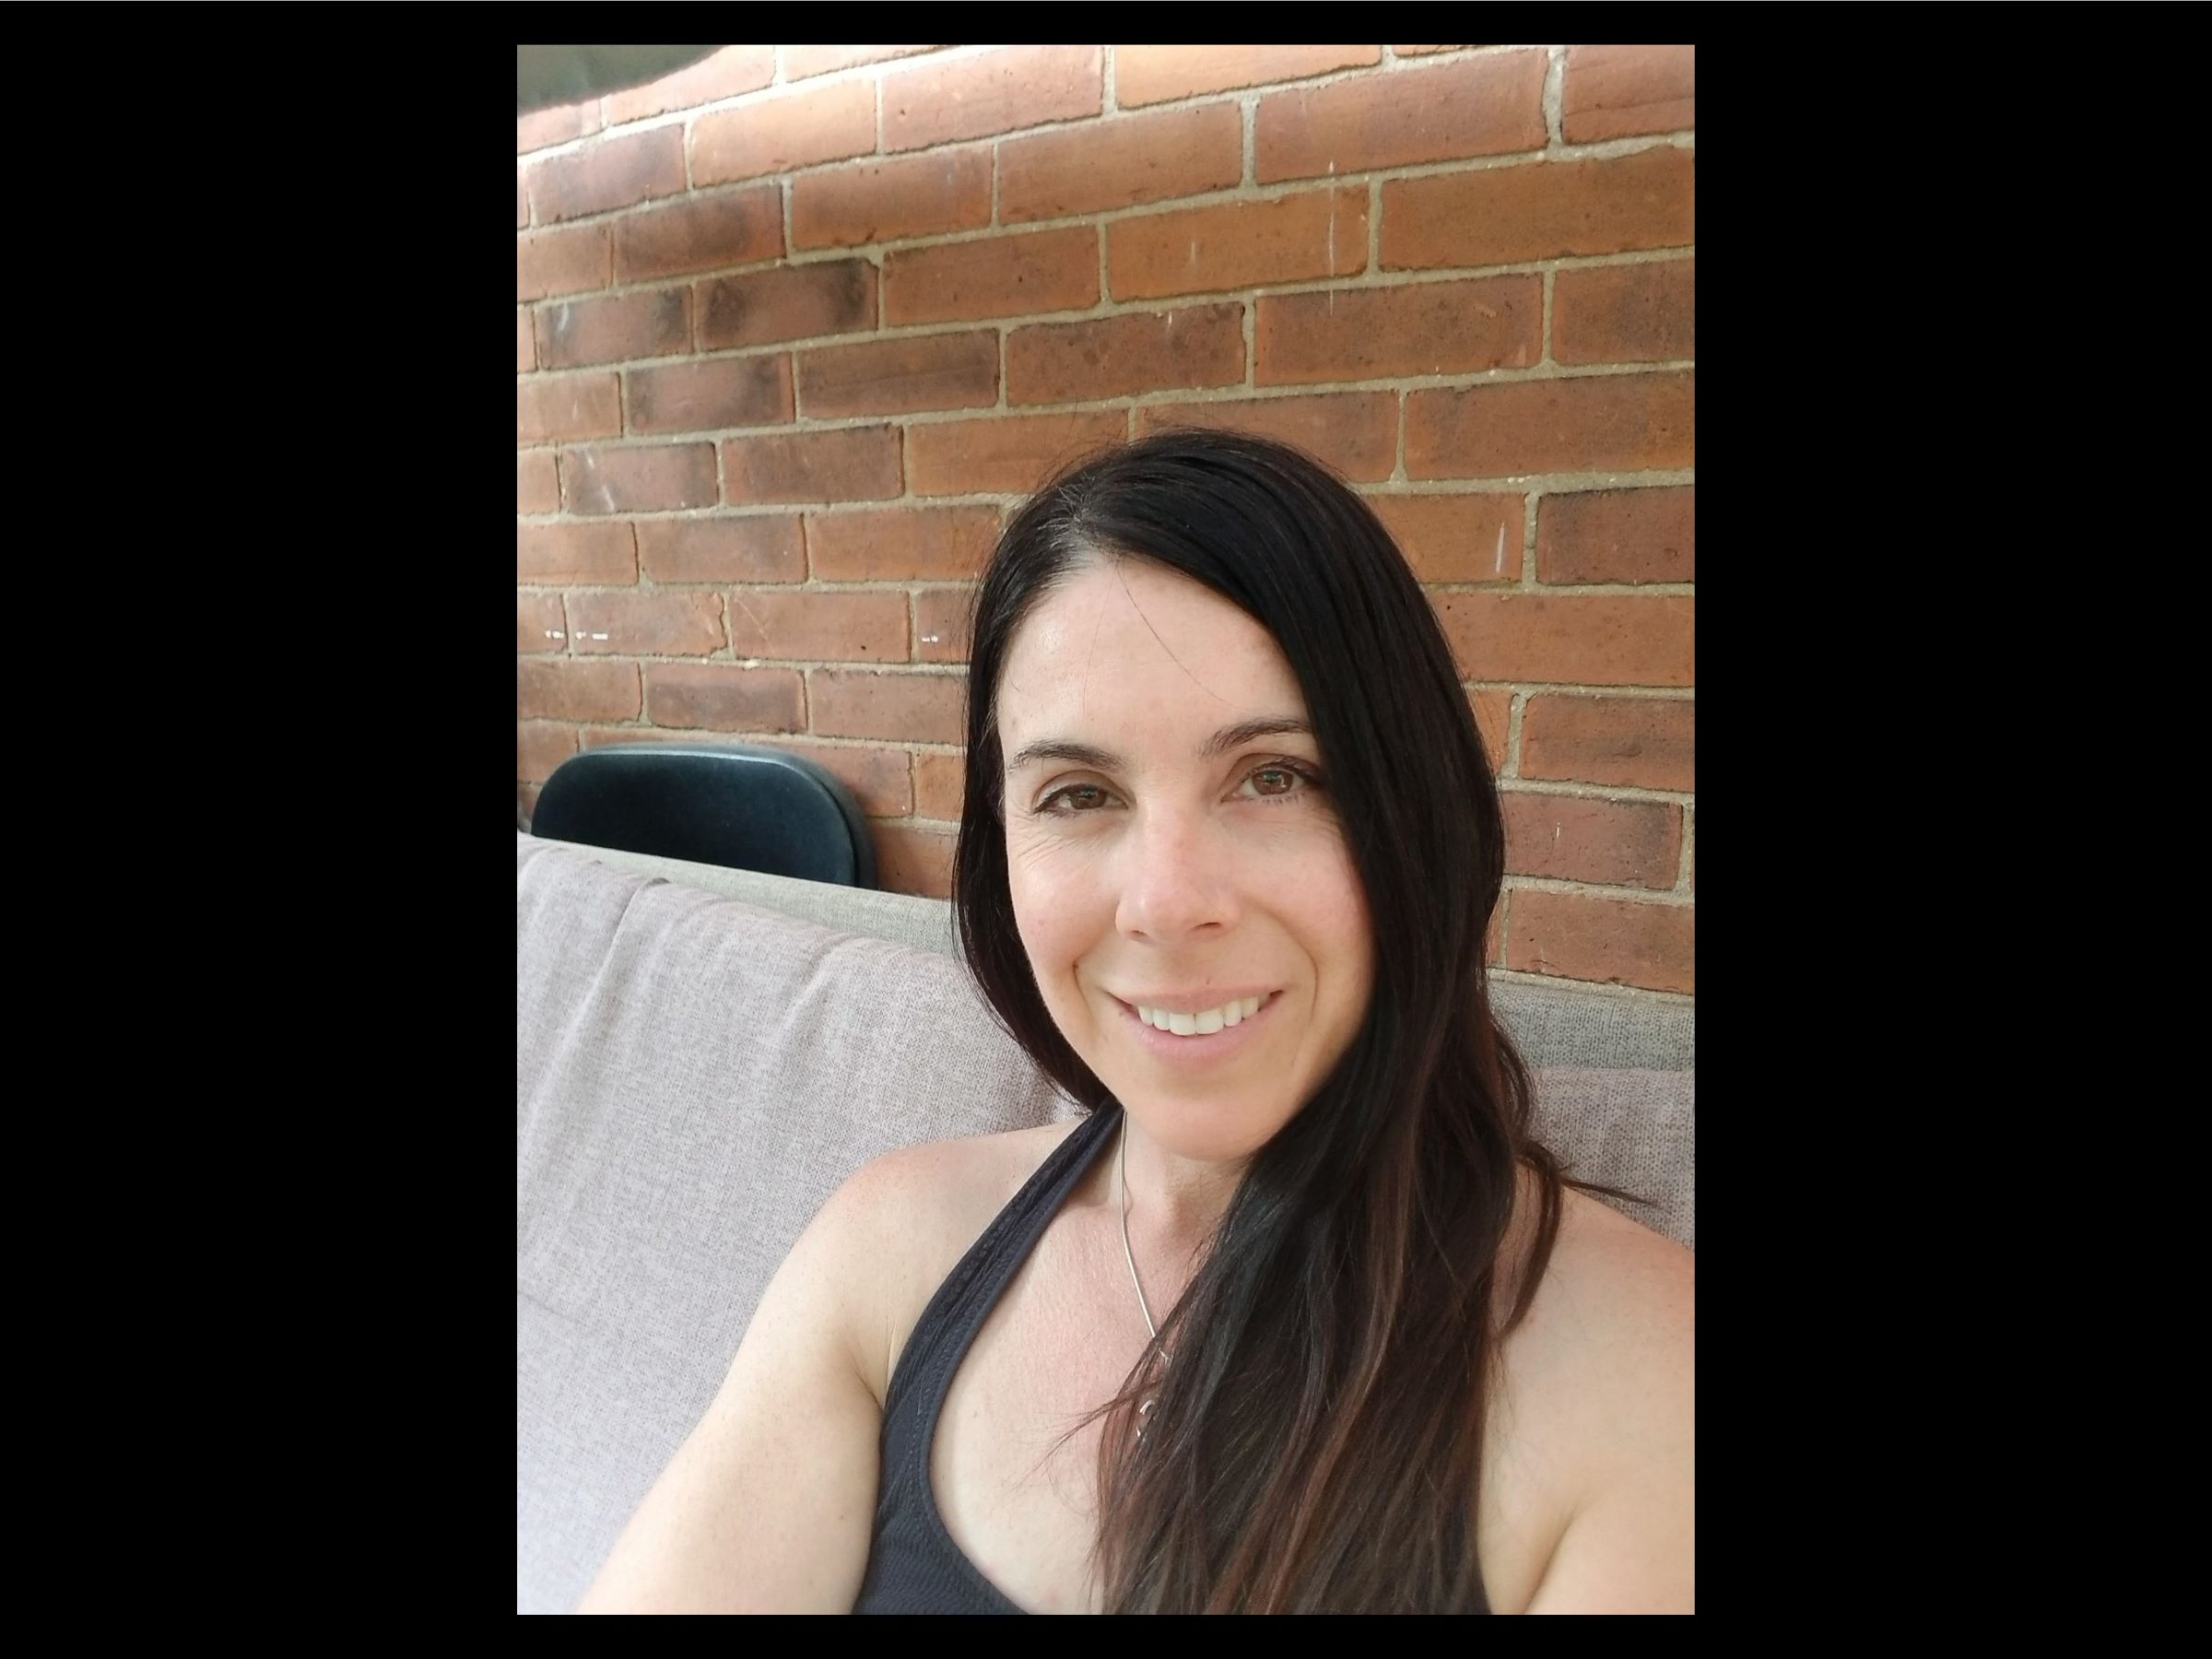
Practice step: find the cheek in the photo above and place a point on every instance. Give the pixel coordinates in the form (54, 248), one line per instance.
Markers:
(1056, 907)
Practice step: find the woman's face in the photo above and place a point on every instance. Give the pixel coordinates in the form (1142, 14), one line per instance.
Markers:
(1167, 857)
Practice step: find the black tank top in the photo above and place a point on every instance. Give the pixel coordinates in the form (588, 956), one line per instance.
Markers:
(914, 1565)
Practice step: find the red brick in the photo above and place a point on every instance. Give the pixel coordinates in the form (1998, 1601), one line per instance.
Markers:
(1237, 244)
(675, 624)
(1143, 75)
(863, 627)
(1493, 707)
(525, 343)
(560, 262)
(900, 543)
(879, 778)
(727, 74)
(543, 128)
(578, 333)
(1639, 742)
(1618, 91)
(724, 698)
(1571, 640)
(940, 783)
(539, 747)
(920, 708)
(993, 277)
(1487, 106)
(1494, 937)
(536, 485)
(1356, 432)
(1123, 162)
(1639, 313)
(800, 61)
(1423, 51)
(914, 859)
(1509, 215)
(569, 691)
(1619, 941)
(896, 377)
(882, 201)
(943, 618)
(789, 303)
(1383, 334)
(1595, 423)
(615, 172)
(538, 623)
(756, 548)
(549, 408)
(997, 91)
(1005, 454)
(849, 464)
(1613, 843)
(1618, 535)
(1137, 351)
(557, 555)
(708, 395)
(525, 803)
(1456, 537)
(700, 233)
(659, 479)
(522, 200)
(799, 129)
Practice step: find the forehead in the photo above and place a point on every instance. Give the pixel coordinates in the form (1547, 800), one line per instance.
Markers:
(1126, 646)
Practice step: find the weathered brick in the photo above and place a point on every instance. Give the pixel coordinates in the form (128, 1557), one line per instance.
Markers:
(999, 92)
(896, 377)
(580, 333)
(800, 61)
(1456, 537)
(1486, 106)
(525, 804)
(549, 408)
(1423, 51)
(673, 624)
(1377, 334)
(522, 200)
(539, 747)
(776, 134)
(700, 233)
(1509, 215)
(914, 859)
(1237, 244)
(1592, 423)
(569, 691)
(1614, 843)
(920, 708)
(900, 543)
(536, 484)
(1571, 640)
(865, 626)
(560, 262)
(1493, 707)
(1125, 162)
(1356, 432)
(538, 623)
(755, 547)
(722, 697)
(557, 555)
(659, 479)
(789, 303)
(1619, 941)
(709, 394)
(541, 129)
(1639, 313)
(880, 779)
(993, 276)
(1115, 356)
(615, 172)
(526, 342)
(733, 71)
(882, 201)
(848, 464)
(943, 622)
(1618, 91)
(1143, 75)
(1618, 535)
(1639, 742)
(1009, 455)
(940, 783)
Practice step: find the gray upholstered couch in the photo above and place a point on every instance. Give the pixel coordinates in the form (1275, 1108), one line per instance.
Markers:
(703, 1054)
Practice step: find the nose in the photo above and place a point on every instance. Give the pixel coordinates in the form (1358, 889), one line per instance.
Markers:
(1177, 878)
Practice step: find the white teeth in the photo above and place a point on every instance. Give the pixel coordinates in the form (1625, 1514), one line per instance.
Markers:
(1201, 1025)
(1209, 1022)
(1232, 1013)
(1251, 1006)
(1183, 1025)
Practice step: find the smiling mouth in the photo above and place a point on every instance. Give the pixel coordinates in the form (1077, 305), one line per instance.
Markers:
(1203, 1022)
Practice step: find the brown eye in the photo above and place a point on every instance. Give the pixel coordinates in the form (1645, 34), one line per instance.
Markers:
(1275, 779)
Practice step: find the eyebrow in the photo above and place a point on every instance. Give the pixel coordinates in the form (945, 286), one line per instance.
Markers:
(1221, 743)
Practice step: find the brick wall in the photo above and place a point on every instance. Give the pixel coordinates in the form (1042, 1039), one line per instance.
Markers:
(798, 326)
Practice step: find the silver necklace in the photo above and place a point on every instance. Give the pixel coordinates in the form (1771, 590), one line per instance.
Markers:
(1122, 1179)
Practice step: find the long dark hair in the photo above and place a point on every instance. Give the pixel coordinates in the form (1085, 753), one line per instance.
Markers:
(1317, 1443)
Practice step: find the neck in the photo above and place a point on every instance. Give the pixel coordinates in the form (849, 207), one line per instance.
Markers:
(1176, 1202)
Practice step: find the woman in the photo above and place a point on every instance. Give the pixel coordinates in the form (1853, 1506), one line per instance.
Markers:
(1299, 1317)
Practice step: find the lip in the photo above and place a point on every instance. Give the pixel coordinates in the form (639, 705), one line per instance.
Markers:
(1206, 1049)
